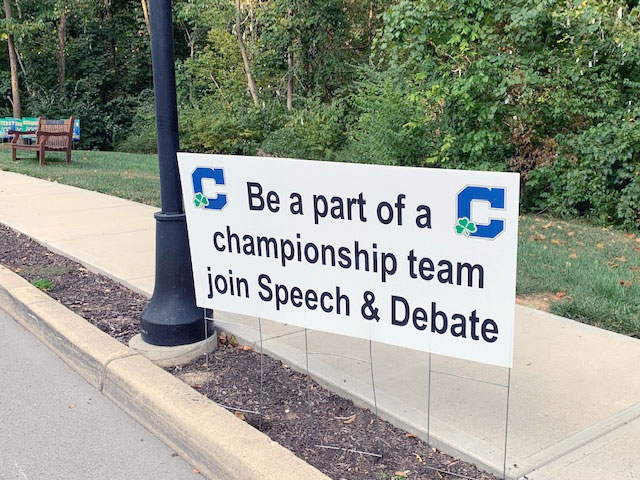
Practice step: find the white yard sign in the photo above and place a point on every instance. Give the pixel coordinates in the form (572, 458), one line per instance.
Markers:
(420, 258)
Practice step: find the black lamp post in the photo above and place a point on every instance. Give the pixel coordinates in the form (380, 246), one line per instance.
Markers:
(171, 318)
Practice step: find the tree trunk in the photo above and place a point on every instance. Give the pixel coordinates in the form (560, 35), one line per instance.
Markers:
(290, 65)
(13, 65)
(145, 12)
(62, 34)
(191, 41)
(112, 37)
(245, 60)
(372, 25)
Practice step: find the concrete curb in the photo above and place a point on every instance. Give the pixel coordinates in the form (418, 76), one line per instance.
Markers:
(204, 434)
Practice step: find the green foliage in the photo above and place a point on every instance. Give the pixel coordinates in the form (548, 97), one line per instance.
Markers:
(391, 125)
(544, 88)
(44, 284)
(223, 129)
(314, 132)
(142, 137)
(596, 175)
(107, 60)
(547, 88)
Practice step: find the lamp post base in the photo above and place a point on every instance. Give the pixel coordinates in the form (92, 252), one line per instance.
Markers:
(172, 317)
(173, 356)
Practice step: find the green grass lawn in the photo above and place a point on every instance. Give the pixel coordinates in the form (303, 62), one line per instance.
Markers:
(124, 175)
(573, 269)
(570, 268)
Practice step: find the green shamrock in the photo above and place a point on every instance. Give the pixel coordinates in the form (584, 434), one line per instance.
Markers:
(465, 227)
(200, 200)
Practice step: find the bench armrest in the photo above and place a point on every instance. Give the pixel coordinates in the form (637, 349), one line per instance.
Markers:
(16, 136)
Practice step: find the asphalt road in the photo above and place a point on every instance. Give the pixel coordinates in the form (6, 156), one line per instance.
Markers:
(53, 425)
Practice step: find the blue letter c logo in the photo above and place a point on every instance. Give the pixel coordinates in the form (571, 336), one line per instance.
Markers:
(496, 198)
(210, 203)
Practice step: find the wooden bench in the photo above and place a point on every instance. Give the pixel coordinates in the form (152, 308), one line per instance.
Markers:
(51, 135)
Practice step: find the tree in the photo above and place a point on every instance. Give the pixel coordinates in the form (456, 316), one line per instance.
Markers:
(243, 51)
(145, 13)
(62, 33)
(13, 62)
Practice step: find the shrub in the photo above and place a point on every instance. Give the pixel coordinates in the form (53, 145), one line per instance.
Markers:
(221, 128)
(314, 132)
(391, 126)
(142, 137)
(597, 174)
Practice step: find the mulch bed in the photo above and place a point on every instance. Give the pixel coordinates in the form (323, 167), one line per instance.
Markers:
(106, 304)
(233, 379)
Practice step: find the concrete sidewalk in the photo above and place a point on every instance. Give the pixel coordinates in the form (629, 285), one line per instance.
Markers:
(575, 396)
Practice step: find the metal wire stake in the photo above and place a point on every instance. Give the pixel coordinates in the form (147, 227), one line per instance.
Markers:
(206, 338)
(310, 405)
(429, 404)
(375, 400)
(506, 428)
(261, 407)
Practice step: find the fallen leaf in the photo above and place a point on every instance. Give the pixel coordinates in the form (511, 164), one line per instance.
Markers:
(233, 341)
(240, 415)
(630, 235)
(410, 435)
(638, 239)
(73, 405)
(573, 255)
(351, 419)
(402, 473)
(222, 338)
(555, 241)
(625, 283)
(560, 295)
(620, 259)
(245, 348)
(547, 225)
(419, 458)
(613, 264)
(571, 233)
(196, 471)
